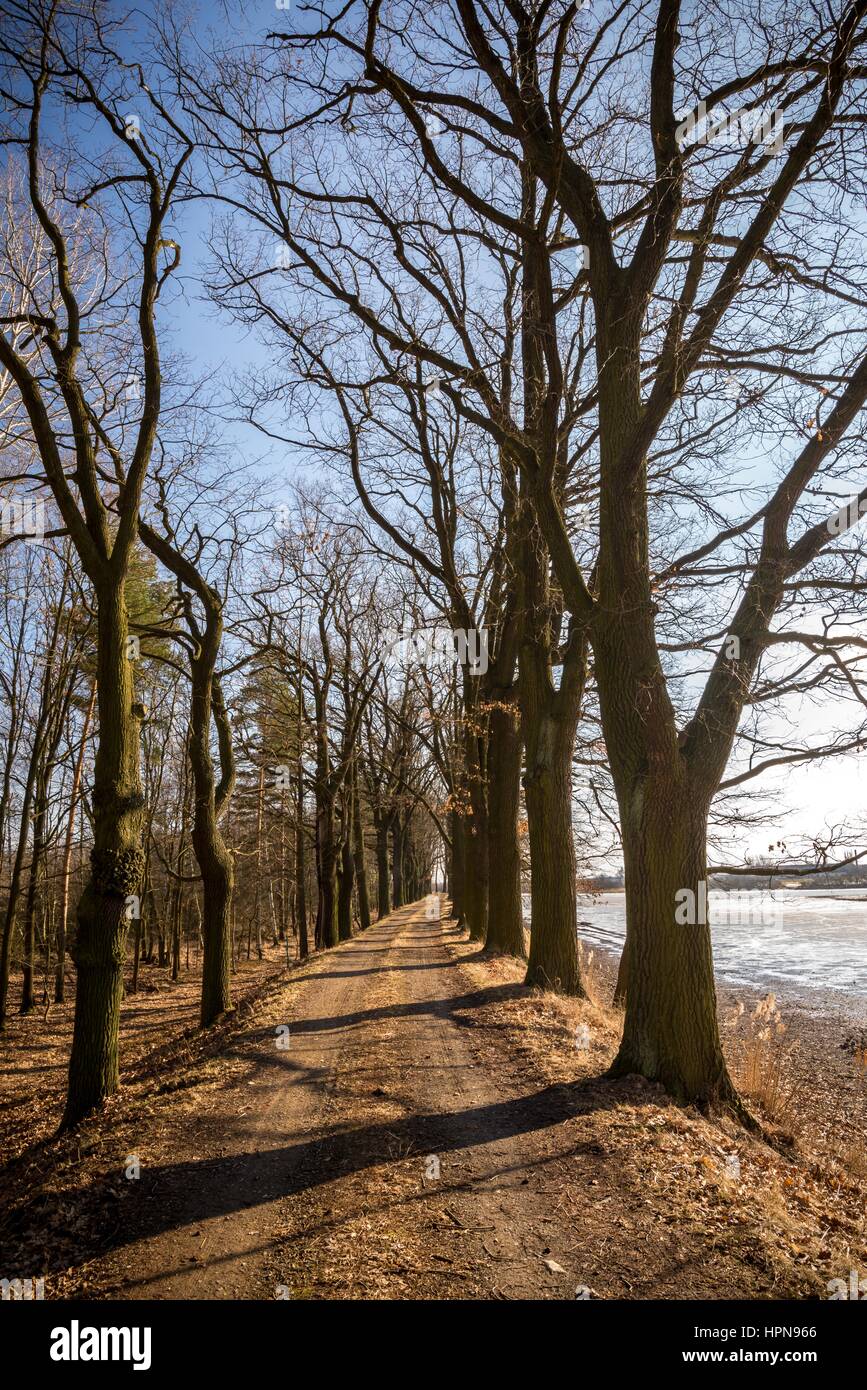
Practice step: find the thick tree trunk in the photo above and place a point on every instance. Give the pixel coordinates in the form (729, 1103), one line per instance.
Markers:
(327, 921)
(670, 1032)
(553, 962)
(475, 877)
(549, 718)
(670, 1026)
(216, 868)
(117, 862)
(505, 915)
(212, 855)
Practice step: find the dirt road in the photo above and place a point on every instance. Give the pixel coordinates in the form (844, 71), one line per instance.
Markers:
(361, 1100)
(384, 1129)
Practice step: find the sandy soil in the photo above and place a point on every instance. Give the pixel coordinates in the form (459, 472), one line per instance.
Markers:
(402, 1118)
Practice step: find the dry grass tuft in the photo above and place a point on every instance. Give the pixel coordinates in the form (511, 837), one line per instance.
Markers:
(594, 980)
(763, 1059)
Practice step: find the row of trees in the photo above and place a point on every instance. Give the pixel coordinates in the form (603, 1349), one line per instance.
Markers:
(594, 385)
(319, 819)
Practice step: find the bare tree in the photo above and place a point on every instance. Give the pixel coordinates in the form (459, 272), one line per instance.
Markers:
(57, 61)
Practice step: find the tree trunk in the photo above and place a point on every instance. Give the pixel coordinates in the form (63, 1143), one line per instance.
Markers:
(397, 832)
(670, 1031)
(327, 875)
(456, 867)
(300, 868)
(117, 862)
(176, 933)
(217, 871)
(553, 962)
(283, 925)
(260, 875)
(346, 876)
(383, 906)
(475, 895)
(212, 855)
(505, 914)
(549, 717)
(476, 849)
(360, 865)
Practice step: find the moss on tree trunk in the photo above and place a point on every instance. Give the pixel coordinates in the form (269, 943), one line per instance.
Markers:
(117, 861)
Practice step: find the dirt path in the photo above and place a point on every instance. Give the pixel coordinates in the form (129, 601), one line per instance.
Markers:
(407, 1139)
(440, 1181)
(375, 1088)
